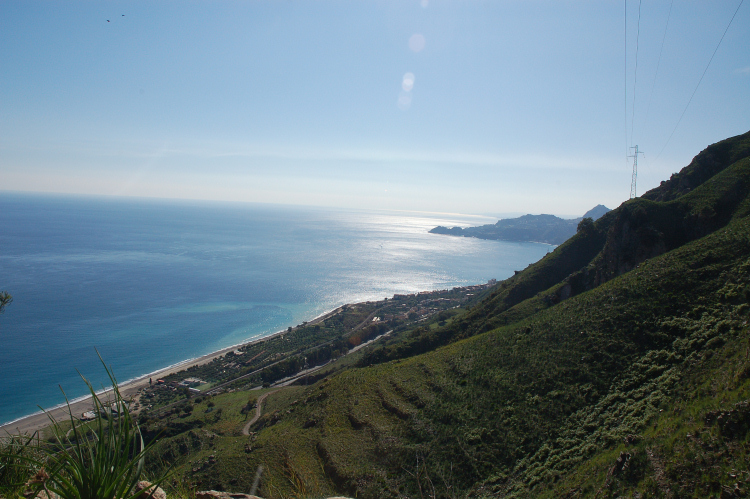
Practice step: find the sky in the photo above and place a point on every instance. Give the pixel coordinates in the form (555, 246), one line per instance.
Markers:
(469, 107)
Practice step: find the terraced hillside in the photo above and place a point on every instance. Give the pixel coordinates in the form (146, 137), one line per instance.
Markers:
(618, 365)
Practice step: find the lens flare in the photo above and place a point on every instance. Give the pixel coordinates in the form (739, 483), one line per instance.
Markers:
(408, 82)
(404, 101)
(416, 43)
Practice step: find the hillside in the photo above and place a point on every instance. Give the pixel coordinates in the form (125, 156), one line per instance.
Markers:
(618, 365)
(533, 228)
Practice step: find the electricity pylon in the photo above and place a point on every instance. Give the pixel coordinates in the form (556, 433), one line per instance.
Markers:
(635, 169)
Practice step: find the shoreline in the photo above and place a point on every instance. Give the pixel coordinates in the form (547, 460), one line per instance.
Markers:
(40, 420)
(130, 388)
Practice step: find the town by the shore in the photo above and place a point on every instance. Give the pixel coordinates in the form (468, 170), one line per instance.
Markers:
(131, 389)
(27, 425)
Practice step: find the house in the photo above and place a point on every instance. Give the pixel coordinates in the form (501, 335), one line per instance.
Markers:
(190, 382)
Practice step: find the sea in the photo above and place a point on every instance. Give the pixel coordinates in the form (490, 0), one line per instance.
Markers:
(151, 283)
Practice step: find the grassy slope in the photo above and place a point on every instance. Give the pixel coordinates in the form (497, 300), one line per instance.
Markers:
(620, 240)
(543, 404)
(705, 165)
(517, 408)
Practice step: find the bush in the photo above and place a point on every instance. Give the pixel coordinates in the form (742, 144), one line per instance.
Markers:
(586, 225)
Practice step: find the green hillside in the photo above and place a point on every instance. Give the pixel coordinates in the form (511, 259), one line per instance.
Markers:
(617, 365)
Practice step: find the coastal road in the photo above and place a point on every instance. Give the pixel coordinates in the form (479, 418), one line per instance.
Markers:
(258, 409)
(34, 422)
(365, 322)
(216, 389)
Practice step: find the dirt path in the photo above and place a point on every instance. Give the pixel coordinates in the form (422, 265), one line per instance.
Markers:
(258, 413)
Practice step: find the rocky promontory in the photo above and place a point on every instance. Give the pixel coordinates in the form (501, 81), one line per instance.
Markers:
(528, 228)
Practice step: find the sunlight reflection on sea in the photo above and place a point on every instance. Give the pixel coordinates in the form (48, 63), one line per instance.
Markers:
(152, 283)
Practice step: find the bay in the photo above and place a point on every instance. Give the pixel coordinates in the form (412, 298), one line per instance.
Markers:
(150, 283)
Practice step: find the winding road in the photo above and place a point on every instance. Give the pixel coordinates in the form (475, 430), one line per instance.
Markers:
(258, 408)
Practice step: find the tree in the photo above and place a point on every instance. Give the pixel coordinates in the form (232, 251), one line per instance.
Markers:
(5, 299)
(586, 225)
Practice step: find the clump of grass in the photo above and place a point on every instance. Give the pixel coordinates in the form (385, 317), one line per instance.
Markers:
(92, 460)
(13, 470)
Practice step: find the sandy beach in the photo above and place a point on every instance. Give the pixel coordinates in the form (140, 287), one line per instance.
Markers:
(34, 422)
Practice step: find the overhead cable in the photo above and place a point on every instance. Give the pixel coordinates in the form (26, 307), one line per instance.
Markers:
(625, 74)
(635, 77)
(658, 63)
(701, 79)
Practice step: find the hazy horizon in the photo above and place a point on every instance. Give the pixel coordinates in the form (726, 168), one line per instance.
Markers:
(481, 218)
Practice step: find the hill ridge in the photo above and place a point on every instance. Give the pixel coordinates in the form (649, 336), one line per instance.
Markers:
(617, 365)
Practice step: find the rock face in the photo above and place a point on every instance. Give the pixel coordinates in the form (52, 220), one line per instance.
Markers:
(636, 232)
(708, 163)
(699, 200)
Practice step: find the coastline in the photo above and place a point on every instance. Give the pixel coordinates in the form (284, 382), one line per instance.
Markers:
(40, 420)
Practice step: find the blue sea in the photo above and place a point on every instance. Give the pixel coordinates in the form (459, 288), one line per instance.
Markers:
(150, 283)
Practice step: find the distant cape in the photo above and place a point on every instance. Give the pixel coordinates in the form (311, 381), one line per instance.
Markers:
(528, 228)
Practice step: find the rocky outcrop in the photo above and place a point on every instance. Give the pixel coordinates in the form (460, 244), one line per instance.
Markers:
(734, 423)
(213, 494)
(152, 492)
(699, 200)
(621, 464)
(708, 163)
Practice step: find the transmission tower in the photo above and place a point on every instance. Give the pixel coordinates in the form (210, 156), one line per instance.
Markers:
(635, 169)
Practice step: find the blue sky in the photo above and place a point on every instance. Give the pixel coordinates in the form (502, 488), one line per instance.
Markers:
(446, 106)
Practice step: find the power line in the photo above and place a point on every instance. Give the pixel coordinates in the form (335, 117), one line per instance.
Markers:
(701, 79)
(635, 77)
(627, 140)
(658, 63)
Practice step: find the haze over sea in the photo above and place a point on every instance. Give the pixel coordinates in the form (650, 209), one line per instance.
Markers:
(151, 283)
